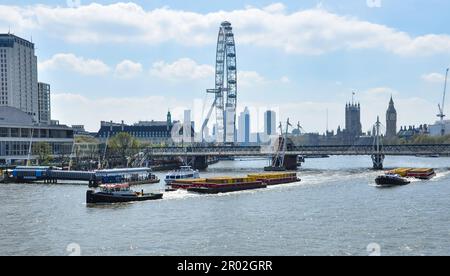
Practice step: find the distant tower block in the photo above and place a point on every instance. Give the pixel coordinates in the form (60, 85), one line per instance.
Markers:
(391, 120)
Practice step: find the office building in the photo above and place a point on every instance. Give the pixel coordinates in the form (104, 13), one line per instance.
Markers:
(44, 109)
(244, 127)
(270, 123)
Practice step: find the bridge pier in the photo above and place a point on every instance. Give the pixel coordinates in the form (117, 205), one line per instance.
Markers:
(198, 162)
(377, 160)
(290, 162)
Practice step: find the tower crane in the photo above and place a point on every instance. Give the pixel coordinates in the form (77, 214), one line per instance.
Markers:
(441, 114)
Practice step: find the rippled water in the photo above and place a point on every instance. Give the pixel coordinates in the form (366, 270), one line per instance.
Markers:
(335, 210)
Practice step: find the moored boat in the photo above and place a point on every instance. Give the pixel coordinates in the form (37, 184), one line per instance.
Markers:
(130, 176)
(118, 193)
(391, 180)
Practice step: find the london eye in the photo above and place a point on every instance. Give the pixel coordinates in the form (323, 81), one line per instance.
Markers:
(225, 90)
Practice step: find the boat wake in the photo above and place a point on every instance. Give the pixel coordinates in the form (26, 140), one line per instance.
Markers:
(179, 194)
(440, 175)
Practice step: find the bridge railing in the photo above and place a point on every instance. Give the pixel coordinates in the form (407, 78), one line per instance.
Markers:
(443, 149)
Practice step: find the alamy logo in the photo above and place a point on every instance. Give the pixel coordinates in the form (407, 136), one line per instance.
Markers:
(73, 3)
(374, 3)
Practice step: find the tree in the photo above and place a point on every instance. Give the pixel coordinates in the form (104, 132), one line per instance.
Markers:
(124, 145)
(43, 151)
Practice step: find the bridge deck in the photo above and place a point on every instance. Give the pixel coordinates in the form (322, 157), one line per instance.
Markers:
(394, 150)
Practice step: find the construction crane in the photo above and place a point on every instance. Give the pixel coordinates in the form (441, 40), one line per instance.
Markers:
(441, 107)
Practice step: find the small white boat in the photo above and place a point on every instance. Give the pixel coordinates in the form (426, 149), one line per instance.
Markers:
(185, 172)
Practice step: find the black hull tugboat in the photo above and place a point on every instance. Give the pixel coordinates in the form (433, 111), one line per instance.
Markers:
(390, 180)
(118, 194)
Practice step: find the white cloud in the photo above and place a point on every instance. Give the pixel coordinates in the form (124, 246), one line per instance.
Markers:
(312, 31)
(128, 69)
(380, 92)
(285, 79)
(182, 69)
(73, 63)
(433, 78)
(249, 78)
(275, 8)
(77, 109)
(188, 69)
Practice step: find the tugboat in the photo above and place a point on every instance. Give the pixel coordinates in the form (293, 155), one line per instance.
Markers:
(185, 172)
(389, 180)
(118, 194)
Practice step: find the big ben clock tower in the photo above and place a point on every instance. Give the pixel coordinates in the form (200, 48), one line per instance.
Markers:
(391, 121)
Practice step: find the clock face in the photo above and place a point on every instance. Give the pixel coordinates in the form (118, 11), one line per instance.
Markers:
(393, 117)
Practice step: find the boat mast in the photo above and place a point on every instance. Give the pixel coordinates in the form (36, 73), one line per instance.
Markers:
(30, 147)
(441, 108)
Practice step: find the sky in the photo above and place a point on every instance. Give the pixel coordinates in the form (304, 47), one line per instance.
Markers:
(132, 61)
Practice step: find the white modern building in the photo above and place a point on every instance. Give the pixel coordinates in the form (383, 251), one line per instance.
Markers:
(44, 109)
(243, 135)
(18, 75)
(436, 129)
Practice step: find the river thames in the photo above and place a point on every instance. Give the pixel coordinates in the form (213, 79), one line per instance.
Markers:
(335, 210)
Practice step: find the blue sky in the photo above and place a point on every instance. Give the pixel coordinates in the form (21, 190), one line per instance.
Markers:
(133, 61)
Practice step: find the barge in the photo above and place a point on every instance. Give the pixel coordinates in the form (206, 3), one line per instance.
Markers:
(271, 179)
(422, 173)
(226, 188)
(233, 184)
(225, 185)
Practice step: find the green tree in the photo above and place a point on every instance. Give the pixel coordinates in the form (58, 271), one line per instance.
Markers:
(124, 145)
(44, 152)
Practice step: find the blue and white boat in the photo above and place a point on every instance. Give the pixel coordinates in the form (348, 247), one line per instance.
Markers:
(185, 172)
(131, 176)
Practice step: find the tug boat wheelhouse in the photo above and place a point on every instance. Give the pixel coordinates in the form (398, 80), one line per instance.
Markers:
(184, 173)
(118, 193)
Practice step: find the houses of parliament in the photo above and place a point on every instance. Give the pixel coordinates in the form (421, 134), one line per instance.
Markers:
(352, 133)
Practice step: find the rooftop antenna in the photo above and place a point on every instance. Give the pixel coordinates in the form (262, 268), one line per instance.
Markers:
(327, 120)
(441, 107)
(353, 97)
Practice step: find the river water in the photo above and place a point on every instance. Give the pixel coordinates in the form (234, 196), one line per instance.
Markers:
(335, 210)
